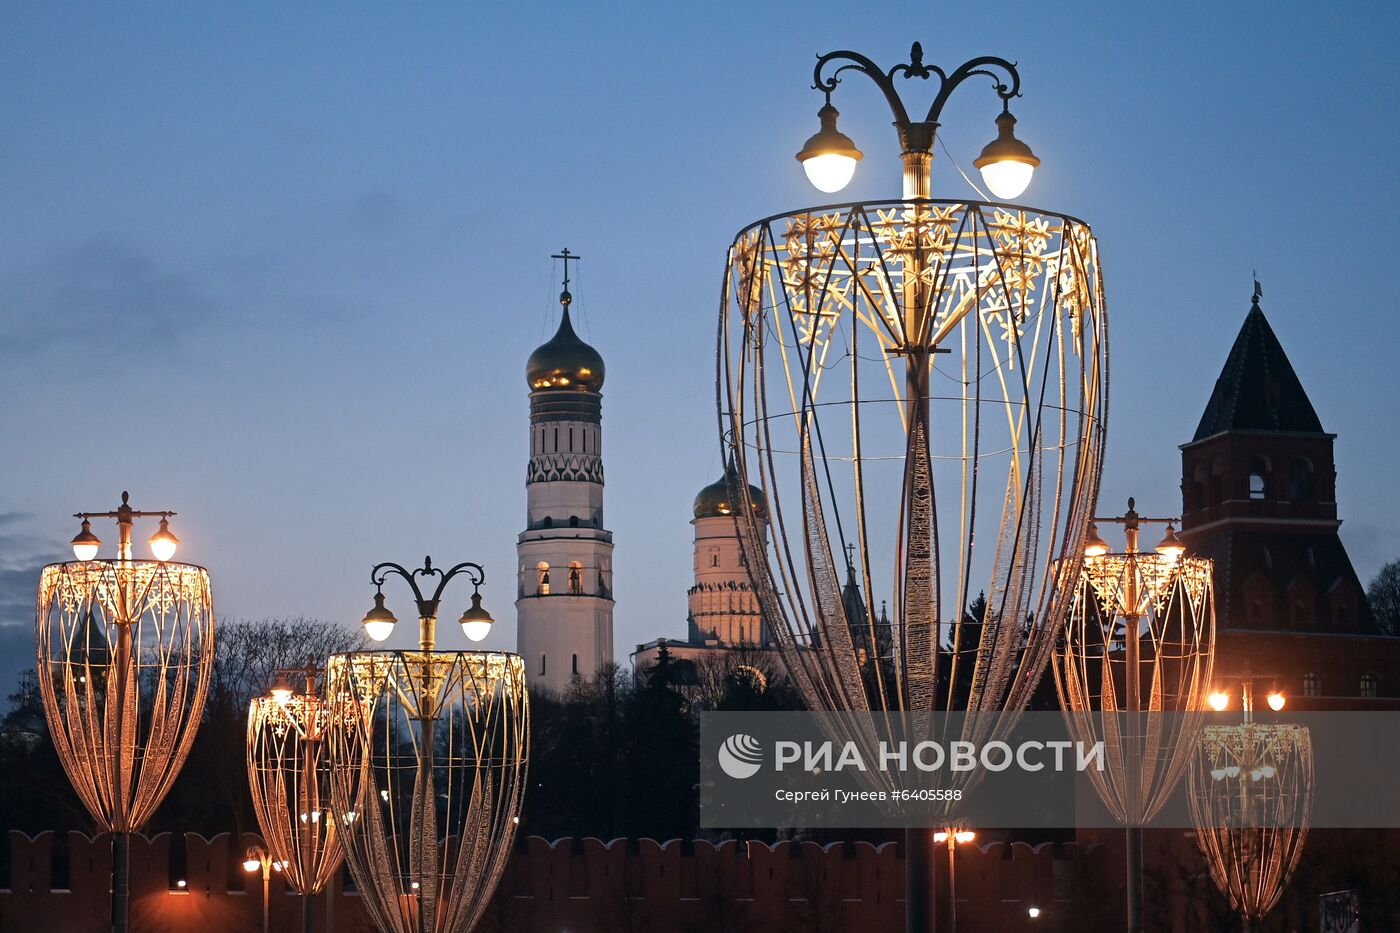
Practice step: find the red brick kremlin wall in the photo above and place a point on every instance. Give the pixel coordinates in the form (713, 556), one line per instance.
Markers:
(584, 887)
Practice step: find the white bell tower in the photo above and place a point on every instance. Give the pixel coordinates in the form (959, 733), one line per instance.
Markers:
(564, 603)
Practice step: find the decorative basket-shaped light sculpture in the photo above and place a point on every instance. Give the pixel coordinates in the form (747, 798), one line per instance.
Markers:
(430, 764)
(1133, 671)
(125, 653)
(429, 754)
(1251, 788)
(289, 773)
(923, 381)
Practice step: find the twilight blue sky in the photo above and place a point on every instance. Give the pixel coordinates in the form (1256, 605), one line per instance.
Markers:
(279, 266)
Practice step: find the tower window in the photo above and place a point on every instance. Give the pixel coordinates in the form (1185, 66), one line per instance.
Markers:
(542, 665)
(573, 521)
(542, 582)
(1258, 469)
(714, 558)
(575, 665)
(575, 579)
(1312, 684)
(1300, 481)
(1370, 685)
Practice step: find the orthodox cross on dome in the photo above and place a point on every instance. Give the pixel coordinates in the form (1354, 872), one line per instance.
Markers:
(564, 297)
(1258, 289)
(850, 555)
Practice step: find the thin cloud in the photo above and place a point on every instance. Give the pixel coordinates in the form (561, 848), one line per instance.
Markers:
(106, 295)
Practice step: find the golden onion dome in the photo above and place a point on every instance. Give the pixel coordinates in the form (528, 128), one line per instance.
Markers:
(714, 500)
(565, 362)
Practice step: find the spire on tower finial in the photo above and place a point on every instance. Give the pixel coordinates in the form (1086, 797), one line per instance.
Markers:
(1258, 290)
(565, 298)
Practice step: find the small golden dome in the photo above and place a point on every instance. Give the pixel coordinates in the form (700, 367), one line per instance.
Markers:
(565, 362)
(715, 500)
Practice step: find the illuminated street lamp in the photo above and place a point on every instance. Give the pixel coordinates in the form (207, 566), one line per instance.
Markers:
(829, 157)
(1133, 669)
(258, 857)
(428, 755)
(1251, 789)
(954, 836)
(289, 777)
(125, 651)
(873, 354)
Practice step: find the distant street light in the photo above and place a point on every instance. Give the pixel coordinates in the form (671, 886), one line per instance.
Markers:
(256, 858)
(125, 652)
(1132, 671)
(289, 778)
(954, 836)
(1251, 790)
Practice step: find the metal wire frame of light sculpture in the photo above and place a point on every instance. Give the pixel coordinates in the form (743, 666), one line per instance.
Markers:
(1133, 671)
(289, 777)
(911, 379)
(1251, 790)
(429, 753)
(125, 653)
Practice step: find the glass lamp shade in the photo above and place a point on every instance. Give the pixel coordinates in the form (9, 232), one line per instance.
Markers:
(476, 621)
(1170, 546)
(829, 157)
(1007, 179)
(1006, 163)
(1277, 701)
(379, 630)
(85, 543)
(1094, 546)
(830, 172)
(379, 621)
(251, 864)
(1219, 700)
(163, 543)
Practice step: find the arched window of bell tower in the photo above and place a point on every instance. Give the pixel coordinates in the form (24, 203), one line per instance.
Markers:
(575, 578)
(542, 581)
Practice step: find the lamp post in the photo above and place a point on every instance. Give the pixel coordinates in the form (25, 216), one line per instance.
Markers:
(849, 332)
(428, 754)
(125, 649)
(258, 857)
(1139, 643)
(829, 157)
(954, 836)
(1251, 789)
(289, 777)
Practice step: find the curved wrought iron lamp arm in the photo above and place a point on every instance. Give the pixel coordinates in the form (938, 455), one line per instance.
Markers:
(918, 136)
(427, 606)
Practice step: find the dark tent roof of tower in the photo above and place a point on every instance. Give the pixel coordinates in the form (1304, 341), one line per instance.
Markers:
(1257, 390)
